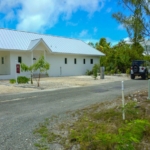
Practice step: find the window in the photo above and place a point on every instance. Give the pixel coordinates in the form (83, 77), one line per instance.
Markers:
(20, 59)
(75, 61)
(65, 60)
(2, 60)
(83, 61)
(91, 61)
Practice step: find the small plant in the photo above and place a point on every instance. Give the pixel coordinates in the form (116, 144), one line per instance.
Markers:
(118, 71)
(23, 79)
(42, 66)
(26, 68)
(128, 71)
(88, 72)
(106, 73)
(95, 70)
(12, 81)
(112, 72)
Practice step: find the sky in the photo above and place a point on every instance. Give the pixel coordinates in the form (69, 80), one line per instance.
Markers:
(87, 20)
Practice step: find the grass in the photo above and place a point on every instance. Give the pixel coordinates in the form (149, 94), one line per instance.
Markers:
(100, 127)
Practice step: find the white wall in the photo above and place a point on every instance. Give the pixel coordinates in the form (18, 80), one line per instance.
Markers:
(57, 63)
(5, 68)
(59, 68)
(26, 58)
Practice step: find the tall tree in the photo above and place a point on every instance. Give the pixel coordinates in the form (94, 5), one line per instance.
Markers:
(91, 44)
(137, 18)
(103, 45)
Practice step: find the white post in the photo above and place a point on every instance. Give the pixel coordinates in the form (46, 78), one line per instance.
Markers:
(123, 103)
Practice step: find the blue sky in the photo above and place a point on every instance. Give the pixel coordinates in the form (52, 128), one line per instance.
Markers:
(88, 20)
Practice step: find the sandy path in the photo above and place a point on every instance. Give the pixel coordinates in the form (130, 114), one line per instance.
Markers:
(53, 83)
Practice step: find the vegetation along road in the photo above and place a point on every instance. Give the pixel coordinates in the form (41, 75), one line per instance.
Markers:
(21, 113)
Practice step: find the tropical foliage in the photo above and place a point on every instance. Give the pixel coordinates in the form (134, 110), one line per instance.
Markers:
(26, 68)
(118, 57)
(41, 65)
(135, 18)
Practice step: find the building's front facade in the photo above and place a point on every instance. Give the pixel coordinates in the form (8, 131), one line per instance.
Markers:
(67, 57)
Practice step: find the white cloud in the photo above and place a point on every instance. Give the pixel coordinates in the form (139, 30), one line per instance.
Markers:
(113, 42)
(83, 33)
(109, 10)
(121, 27)
(35, 15)
(72, 24)
(94, 41)
(127, 40)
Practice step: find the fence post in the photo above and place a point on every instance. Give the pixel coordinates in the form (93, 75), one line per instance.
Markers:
(123, 103)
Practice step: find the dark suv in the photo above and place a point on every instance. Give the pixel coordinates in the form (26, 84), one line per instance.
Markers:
(140, 68)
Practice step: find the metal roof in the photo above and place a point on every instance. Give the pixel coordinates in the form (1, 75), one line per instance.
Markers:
(36, 42)
(20, 40)
(33, 43)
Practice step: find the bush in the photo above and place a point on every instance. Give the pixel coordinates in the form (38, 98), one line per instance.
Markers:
(23, 79)
(12, 81)
(95, 70)
(128, 71)
(88, 72)
(112, 72)
(118, 71)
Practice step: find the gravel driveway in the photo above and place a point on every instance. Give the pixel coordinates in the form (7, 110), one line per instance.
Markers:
(54, 83)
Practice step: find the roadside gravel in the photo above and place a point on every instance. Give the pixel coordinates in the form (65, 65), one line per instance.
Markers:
(54, 83)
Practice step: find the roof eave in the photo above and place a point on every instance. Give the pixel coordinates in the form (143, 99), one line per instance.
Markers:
(16, 50)
(79, 54)
(3, 49)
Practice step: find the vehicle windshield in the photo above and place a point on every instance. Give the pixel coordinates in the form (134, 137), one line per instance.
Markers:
(139, 63)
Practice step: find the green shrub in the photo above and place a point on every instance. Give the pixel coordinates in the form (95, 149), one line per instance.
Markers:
(88, 72)
(125, 137)
(95, 70)
(12, 81)
(112, 72)
(106, 73)
(23, 79)
(118, 71)
(128, 71)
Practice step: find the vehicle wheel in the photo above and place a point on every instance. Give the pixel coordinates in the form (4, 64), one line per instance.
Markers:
(146, 75)
(135, 69)
(132, 76)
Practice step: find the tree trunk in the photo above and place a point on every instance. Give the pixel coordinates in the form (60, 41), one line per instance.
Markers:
(39, 80)
(31, 78)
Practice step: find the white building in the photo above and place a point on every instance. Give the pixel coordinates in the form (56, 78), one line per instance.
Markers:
(146, 45)
(67, 57)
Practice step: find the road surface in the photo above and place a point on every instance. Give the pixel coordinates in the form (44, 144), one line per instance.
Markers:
(21, 113)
